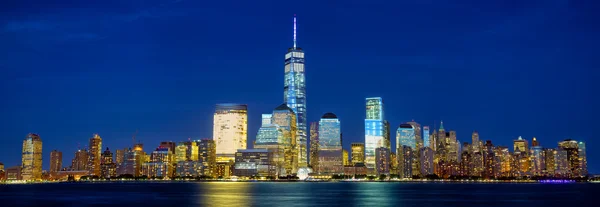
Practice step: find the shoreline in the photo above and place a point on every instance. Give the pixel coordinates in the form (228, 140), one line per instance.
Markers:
(309, 181)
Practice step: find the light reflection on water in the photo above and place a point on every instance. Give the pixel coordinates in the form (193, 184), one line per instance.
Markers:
(148, 194)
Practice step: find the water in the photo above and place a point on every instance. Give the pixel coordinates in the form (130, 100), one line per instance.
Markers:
(297, 194)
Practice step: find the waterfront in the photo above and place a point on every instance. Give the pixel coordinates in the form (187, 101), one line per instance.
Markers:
(297, 194)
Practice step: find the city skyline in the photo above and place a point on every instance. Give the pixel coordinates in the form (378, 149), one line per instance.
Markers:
(190, 119)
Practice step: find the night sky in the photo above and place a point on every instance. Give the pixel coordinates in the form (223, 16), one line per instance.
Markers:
(505, 68)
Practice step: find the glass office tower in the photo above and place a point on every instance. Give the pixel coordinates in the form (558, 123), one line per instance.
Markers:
(294, 95)
(330, 145)
(374, 131)
(31, 168)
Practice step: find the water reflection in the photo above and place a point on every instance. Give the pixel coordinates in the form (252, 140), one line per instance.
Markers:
(224, 194)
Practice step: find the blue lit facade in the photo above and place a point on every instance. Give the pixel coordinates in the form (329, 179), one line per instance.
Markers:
(426, 136)
(405, 136)
(374, 130)
(294, 94)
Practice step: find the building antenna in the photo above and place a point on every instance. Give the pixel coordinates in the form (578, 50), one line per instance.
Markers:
(294, 31)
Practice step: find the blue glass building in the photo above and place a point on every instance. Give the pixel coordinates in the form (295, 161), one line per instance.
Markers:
(405, 136)
(294, 91)
(375, 131)
(330, 145)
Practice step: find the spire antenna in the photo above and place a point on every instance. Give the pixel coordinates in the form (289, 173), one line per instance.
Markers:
(294, 31)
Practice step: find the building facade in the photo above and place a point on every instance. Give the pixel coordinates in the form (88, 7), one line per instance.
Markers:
(285, 118)
(314, 145)
(330, 145)
(108, 168)
(375, 130)
(358, 152)
(230, 129)
(294, 90)
(254, 162)
(55, 162)
(382, 158)
(94, 155)
(31, 167)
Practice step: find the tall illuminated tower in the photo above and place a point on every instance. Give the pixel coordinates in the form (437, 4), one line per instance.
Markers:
(94, 155)
(284, 117)
(31, 168)
(230, 129)
(294, 95)
(375, 131)
(426, 136)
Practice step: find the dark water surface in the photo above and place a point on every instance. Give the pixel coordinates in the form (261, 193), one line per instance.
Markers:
(298, 194)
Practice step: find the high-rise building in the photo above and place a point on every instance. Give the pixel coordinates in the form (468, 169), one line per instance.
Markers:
(94, 155)
(330, 145)
(345, 157)
(55, 162)
(453, 148)
(108, 168)
(168, 144)
(294, 90)
(80, 161)
(488, 159)
(550, 155)
(521, 145)
(132, 163)
(561, 163)
(160, 164)
(417, 134)
(374, 130)
(230, 129)
(31, 168)
(186, 151)
(404, 157)
(314, 145)
(426, 138)
(475, 141)
(426, 161)
(120, 155)
(405, 136)
(284, 117)
(582, 159)
(358, 152)
(572, 149)
(207, 154)
(382, 158)
(271, 137)
(538, 161)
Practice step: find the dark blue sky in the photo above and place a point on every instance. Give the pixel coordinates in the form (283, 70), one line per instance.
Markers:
(503, 68)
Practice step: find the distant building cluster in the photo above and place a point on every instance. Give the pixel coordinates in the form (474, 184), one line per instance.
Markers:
(282, 148)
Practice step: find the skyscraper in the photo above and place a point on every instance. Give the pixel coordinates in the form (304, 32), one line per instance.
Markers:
(521, 145)
(405, 136)
(80, 161)
(330, 145)
(475, 141)
(294, 91)
(426, 161)
(417, 133)
(230, 129)
(168, 144)
(284, 117)
(271, 137)
(534, 142)
(426, 136)
(358, 152)
(572, 149)
(314, 145)
(374, 131)
(382, 161)
(404, 157)
(31, 168)
(582, 159)
(55, 162)
(94, 155)
(108, 168)
(538, 161)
